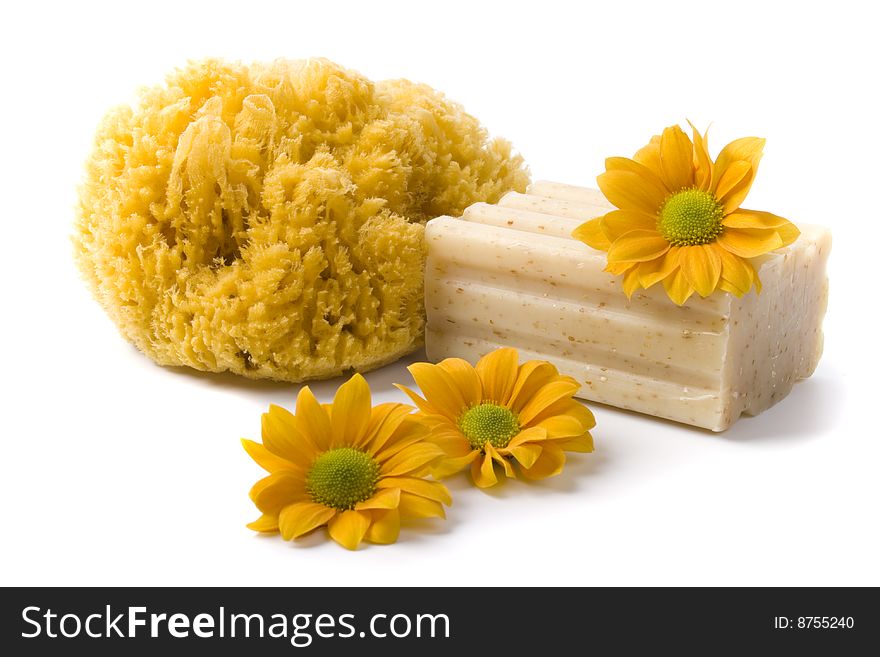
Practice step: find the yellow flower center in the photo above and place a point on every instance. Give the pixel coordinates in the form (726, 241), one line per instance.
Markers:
(690, 217)
(488, 423)
(342, 477)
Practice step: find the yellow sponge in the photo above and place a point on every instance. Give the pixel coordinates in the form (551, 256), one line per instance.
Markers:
(268, 219)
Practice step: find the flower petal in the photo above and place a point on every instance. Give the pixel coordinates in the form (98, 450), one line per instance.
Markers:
(423, 404)
(582, 444)
(312, 419)
(788, 233)
(282, 437)
(266, 459)
(618, 223)
(631, 191)
(530, 435)
(749, 242)
(465, 377)
(268, 522)
(561, 426)
(301, 518)
(276, 491)
(701, 266)
(527, 454)
(498, 370)
(432, 490)
(677, 287)
(590, 233)
(702, 160)
(412, 459)
(550, 463)
(748, 149)
(385, 498)
(483, 472)
(631, 282)
(531, 377)
(349, 527)
(733, 176)
(496, 456)
(676, 158)
(577, 410)
(409, 431)
(384, 421)
(385, 528)
(550, 393)
(743, 218)
(439, 389)
(638, 246)
(738, 273)
(450, 466)
(649, 155)
(654, 271)
(351, 412)
(648, 175)
(415, 506)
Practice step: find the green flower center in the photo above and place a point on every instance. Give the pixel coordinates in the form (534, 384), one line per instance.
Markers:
(342, 477)
(690, 217)
(488, 423)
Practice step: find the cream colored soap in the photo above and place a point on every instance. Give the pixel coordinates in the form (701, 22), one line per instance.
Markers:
(511, 275)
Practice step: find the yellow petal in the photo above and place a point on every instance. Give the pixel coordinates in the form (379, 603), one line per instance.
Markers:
(733, 176)
(650, 156)
(450, 466)
(676, 158)
(416, 506)
(530, 377)
(560, 426)
(385, 527)
(301, 518)
(702, 160)
(677, 287)
(748, 149)
(276, 491)
(498, 458)
(620, 268)
(738, 273)
(550, 463)
(465, 377)
(631, 282)
(582, 444)
(386, 498)
(638, 246)
(268, 522)
(788, 233)
(349, 527)
(451, 441)
(645, 173)
(547, 395)
(526, 454)
(312, 419)
(423, 404)
(577, 410)
(529, 435)
(282, 438)
(701, 266)
(654, 271)
(590, 233)
(743, 218)
(483, 472)
(439, 389)
(618, 223)
(384, 421)
(266, 459)
(431, 490)
(351, 412)
(749, 242)
(630, 191)
(727, 286)
(412, 459)
(498, 370)
(410, 430)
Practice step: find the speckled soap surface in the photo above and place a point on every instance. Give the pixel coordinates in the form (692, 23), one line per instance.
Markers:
(511, 275)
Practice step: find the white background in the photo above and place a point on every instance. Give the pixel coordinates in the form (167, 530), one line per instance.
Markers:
(116, 471)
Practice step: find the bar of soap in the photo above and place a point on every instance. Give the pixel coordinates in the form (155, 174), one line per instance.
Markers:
(511, 275)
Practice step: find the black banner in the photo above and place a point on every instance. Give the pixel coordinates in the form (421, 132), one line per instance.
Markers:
(434, 621)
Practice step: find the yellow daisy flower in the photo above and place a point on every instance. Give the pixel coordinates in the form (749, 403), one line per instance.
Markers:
(355, 468)
(499, 412)
(679, 219)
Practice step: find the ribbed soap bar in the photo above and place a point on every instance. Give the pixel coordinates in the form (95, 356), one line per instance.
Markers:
(511, 275)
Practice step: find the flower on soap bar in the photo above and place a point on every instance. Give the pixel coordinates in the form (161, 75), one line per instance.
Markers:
(500, 414)
(679, 219)
(356, 468)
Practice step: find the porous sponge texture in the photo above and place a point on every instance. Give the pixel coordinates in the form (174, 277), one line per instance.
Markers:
(267, 219)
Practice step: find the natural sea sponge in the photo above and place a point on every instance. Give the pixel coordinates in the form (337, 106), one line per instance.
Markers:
(268, 219)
